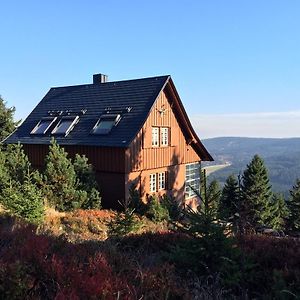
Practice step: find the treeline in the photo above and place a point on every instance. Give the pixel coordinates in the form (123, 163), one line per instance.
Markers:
(248, 202)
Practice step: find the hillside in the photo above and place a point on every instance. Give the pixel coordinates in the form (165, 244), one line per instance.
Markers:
(282, 158)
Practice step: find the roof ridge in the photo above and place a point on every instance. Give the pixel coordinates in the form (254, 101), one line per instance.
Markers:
(111, 82)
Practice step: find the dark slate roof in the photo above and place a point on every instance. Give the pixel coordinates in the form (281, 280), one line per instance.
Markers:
(139, 94)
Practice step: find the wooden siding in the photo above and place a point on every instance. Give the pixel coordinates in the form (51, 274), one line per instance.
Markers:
(103, 159)
(142, 156)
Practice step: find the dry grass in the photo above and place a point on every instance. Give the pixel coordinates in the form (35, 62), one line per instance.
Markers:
(84, 225)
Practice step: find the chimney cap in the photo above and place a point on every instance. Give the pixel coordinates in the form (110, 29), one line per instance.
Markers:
(99, 78)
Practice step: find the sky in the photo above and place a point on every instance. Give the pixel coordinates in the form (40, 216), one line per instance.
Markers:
(235, 64)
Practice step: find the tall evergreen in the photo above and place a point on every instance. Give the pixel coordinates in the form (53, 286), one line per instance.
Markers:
(60, 181)
(7, 123)
(276, 212)
(210, 195)
(87, 182)
(256, 193)
(229, 199)
(293, 223)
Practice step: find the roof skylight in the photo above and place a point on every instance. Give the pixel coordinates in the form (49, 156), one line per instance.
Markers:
(65, 125)
(105, 124)
(43, 125)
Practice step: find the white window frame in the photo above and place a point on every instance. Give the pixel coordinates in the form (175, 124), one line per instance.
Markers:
(153, 183)
(164, 136)
(192, 179)
(114, 118)
(162, 181)
(71, 126)
(155, 136)
(45, 119)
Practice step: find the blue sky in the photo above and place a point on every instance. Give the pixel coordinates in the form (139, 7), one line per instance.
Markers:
(230, 60)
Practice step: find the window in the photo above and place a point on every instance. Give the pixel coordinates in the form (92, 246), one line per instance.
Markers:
(152, 183)
(43, 125)
(164, 136)
(192, 179)
(162, 181)
(155, 136)
(160, 136)
(157, 182)
(65, 125)
(106, 123)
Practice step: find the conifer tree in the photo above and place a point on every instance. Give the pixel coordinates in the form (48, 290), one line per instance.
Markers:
(24, 200)
(293, 204)
(276, 212)
(213, 195)
(256, 193)
(87, 182)
(210, 195)
(17, 163)
(60, 180)
(229, 199)
(7, 124)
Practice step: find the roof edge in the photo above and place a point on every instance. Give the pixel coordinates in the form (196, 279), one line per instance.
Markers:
(195, 140)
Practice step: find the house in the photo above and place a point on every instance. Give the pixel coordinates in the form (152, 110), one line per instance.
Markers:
(133, 132)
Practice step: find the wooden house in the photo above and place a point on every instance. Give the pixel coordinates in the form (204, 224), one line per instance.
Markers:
(133, 132)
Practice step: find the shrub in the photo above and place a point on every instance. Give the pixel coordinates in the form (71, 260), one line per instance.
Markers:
(156, 211)
(173, 207)
(65, 188)
(135, 201)
(87, 182)
(124, 223)
(25, 201)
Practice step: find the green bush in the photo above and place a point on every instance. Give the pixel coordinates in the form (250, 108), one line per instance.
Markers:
(69, 186)
(156, 211)
(19, 192)
(124, 223)
(87, 182)
(24, 200)
(173, 207)
(135, 201)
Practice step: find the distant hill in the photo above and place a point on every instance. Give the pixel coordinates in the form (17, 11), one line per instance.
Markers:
(281, 156)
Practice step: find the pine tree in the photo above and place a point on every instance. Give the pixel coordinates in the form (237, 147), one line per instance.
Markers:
(7, 124)
(276, 212)
(229, 199)
(24, 200)
(87, 182)
(210, 195)
(256, 193)
(293, 204)
(17, 163)
(60, 181)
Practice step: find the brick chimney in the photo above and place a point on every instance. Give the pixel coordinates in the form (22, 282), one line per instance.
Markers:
(99, 78)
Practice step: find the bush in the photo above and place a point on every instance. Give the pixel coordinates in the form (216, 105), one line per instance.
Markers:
(25, 201)
(173, 207)
(19, 193)
(135, 201)
(124, 223)
(65, 188)
(87, 182)
(156, 211)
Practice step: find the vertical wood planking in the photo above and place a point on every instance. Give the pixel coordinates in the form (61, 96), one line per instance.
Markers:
(155, 157)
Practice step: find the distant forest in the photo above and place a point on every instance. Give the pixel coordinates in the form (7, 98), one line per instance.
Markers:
(281, 156)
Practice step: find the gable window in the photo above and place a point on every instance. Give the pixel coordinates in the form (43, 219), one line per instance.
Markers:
(155, 136)
(152, 183)
(106, 123)
(164, 136)
(43, 125)
(65, 125)
(192, 179)
(162, 181)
